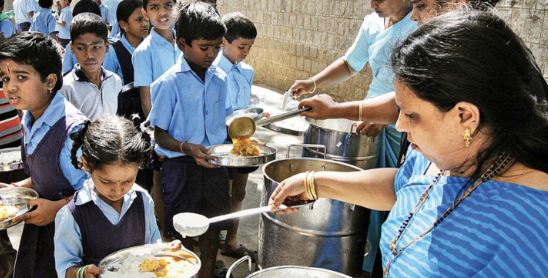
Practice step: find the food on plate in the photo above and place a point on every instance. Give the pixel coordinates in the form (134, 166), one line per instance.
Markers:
(245, 147)
(7, 211)
(154, 266)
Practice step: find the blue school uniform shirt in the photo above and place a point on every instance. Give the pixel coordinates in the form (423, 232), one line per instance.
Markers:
(188, 108)
(154, 56)
(111, 60)
(6, 28)
(68, 238)
(498, 231)
(374, 44)
(239, 79)
(66, 16)
(43, 22)
(35, 132)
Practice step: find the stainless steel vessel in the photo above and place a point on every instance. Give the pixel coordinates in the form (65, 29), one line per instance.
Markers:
(329, 235)
(286, 271)
(342, 144)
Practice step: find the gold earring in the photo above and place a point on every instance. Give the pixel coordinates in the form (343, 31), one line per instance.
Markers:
(467, 137)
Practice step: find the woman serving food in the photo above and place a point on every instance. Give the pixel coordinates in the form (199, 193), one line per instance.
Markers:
(471, 197)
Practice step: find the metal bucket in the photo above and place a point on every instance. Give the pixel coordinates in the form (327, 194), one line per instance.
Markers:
(329, 235)
(286, 271)
(342, 144)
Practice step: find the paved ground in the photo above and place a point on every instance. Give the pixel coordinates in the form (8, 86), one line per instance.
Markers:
(270, 101)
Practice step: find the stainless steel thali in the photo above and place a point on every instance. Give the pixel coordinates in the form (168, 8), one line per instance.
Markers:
(119, 263)
(14, 203)
(225, 158)
(10, 159)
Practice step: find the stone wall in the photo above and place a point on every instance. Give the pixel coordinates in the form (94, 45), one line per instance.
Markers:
(298, 38)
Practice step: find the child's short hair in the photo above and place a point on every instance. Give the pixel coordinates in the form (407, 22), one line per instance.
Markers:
(198, 20)
(45, 3)
(126, 8)
(88, 23)
(145, 3)
(110, 139)
(1, 3)
(238, 26)
(86, 6)
(37, 50)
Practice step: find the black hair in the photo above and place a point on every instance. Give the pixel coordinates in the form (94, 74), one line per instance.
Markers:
(126, 8)
(145, 3)
(86, 6)
(110, 139)
(45, 3)
(238, 26)
(1, 3)
(88, 23)
(475, 57)
(37, 50)
(199, 20)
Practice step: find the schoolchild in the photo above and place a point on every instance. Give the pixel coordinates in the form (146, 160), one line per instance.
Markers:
(30, 67)
(134, 28)
(6, 27)
(88, 86)
(237, 42)
(64, 21)
(158, 51)
(105, 13)
(111, 212)
(44, 21)
(189, 106)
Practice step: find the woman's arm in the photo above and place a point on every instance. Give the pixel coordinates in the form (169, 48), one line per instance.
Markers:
(336, 72)
(372, 188)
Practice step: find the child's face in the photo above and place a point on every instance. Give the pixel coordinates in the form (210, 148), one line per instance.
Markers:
(137, 25)
(238, 50)
(90, 51)
(63, 3)
(201, 52)
(112, 181)
(160, 13)
(25, 88)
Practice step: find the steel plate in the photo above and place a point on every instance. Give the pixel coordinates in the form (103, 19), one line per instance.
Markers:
(112, 263)
(10, 159)
(18, 199)
(225, 158)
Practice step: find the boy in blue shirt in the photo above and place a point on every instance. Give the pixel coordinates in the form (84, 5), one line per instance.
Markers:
(237, 42)
(158, 52)
(189, 106)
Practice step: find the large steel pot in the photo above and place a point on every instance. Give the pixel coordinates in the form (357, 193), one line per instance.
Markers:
(285, 271)
(329, 235)
(342, 144)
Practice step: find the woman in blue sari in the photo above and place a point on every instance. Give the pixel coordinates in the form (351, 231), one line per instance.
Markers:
(471, 198)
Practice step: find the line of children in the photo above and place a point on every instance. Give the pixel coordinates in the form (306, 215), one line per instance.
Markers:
(64, 21)
(237, 42)
(30, 67)
(44, 21)
(158, 51)
(89, 87)
(110, 212)
(189, 106)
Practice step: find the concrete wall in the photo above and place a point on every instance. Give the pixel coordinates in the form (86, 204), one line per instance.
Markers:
(298, 38)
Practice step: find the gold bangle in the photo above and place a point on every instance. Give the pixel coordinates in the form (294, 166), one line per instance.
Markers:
(360, 111)
(314, 81)
(312, 185)
(307, 185)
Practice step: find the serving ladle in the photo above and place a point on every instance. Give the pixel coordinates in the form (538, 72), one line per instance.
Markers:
(190, 224)
(244, 127)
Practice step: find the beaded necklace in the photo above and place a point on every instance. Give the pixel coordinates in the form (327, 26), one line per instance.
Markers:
(501, 164)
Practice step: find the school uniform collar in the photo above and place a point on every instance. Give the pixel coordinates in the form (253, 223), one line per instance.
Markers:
(87, 194)
(51, 115)
(185, 67)
(80, 76)
(226, 65)
(126, 44)
(159, 40)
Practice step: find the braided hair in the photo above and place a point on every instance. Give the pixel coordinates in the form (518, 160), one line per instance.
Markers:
(110, 139)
